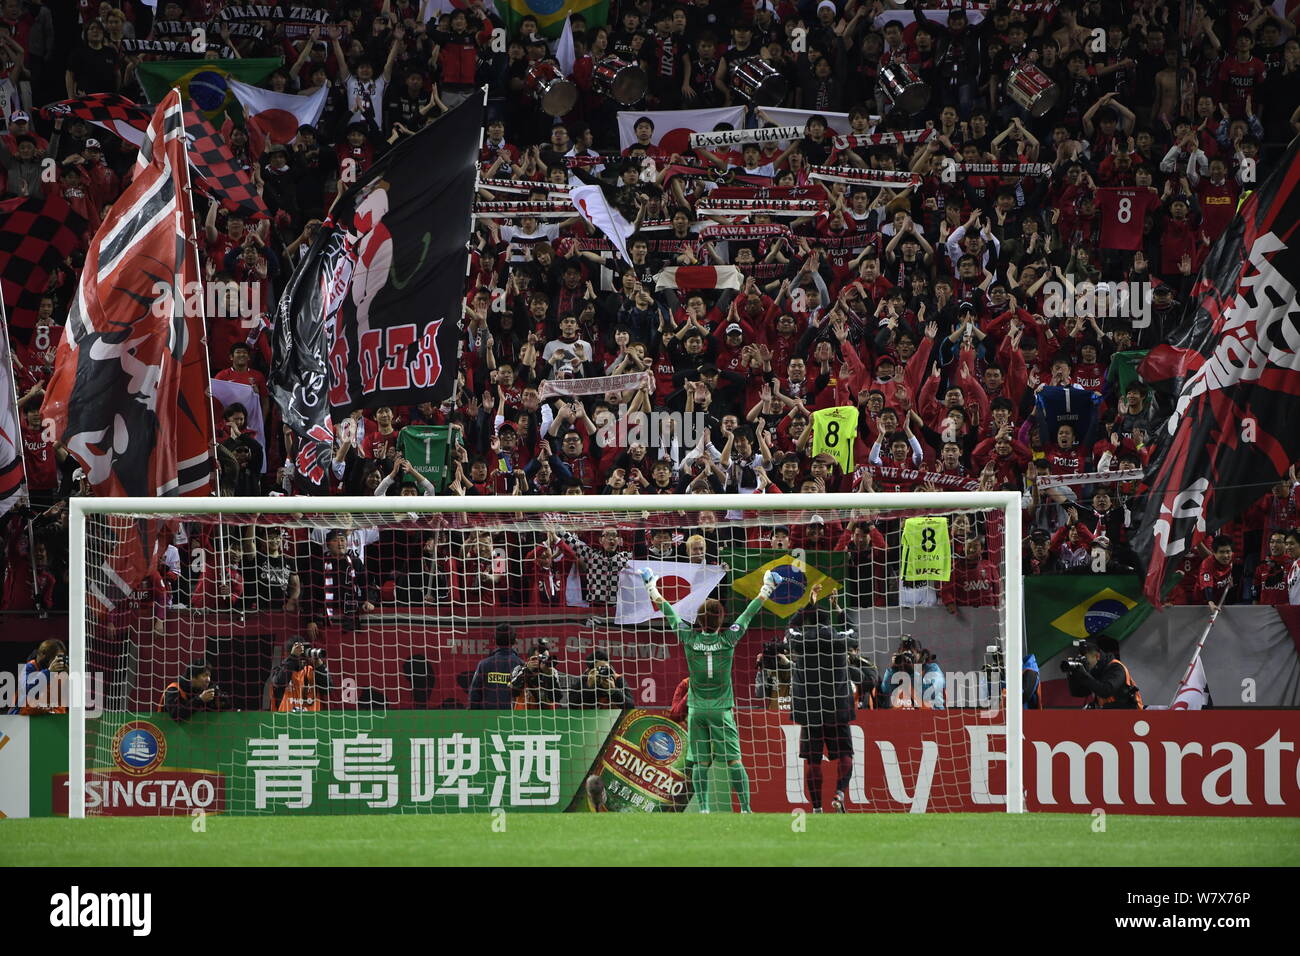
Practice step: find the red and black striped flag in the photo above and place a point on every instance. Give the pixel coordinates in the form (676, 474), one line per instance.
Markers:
(110, 111)
(36, 235)
(1234, 368)
(128, 396)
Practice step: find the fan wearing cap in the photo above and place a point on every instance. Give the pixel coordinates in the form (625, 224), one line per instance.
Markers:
(20, 124)
(104, 184)
(22, 168)
(731, 346)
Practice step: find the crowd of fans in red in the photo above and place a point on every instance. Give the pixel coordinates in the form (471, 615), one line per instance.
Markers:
(925, 307)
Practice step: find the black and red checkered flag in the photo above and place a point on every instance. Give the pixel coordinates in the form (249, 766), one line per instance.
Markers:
(215, 169)
(110, 111)
(36, 234)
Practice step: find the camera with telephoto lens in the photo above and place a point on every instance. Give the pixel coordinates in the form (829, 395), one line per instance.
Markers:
(771, 651)
(313, 655)
(1079, 659)
(904, 661)
(602, 669)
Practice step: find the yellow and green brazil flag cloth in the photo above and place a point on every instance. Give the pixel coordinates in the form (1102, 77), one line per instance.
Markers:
(206, 82)
(799, 573)
(1062, 608)
(551, 14)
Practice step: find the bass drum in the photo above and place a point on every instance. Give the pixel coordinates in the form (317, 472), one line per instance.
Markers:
(556, 95)
(903, 88)
(1032, 89)
(623, 82)
(758, 82)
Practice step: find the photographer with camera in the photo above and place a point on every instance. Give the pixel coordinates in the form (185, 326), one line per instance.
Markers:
(772, 677)
(193, 692)
(536, 684)
(863, 675)
(1102, 678)
(38, 693)
(300, 680)
(822, 699)
(913, 679)
(602, 686)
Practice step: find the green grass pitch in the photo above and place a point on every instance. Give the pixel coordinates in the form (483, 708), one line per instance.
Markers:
(1047, 839)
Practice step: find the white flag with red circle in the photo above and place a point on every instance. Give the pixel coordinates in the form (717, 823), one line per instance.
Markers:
(275, 117)
(683, 584)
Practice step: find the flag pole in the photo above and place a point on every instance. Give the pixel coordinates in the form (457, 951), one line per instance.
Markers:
(22, 455)
(1196, 654)
(192, 238)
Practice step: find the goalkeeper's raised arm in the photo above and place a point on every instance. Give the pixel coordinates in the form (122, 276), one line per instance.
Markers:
(711, 614)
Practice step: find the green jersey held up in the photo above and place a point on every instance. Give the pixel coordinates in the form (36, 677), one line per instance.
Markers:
(709, 657)
(927, 550)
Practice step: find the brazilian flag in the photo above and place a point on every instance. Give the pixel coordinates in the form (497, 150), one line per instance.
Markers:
(798, 576)
(551, 14)
(206, 82)
(1062, 608)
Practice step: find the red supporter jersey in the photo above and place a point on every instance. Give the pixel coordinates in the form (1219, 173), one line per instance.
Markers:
(40, 461)
(1218, 206)
(1123, 215)
(378, 446)
(251, 377)
(1212, 579)
(976, 583)
(1239, 80)
(1270, 581)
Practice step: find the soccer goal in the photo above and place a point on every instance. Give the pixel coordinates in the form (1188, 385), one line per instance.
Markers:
(448, 654)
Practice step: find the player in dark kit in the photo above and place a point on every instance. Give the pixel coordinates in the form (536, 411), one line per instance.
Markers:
(822, 699)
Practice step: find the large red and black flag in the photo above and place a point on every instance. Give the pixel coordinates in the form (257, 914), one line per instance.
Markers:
(37, 234)
(109, 111)
(128, 397)
(1234, 366)
(371, 316)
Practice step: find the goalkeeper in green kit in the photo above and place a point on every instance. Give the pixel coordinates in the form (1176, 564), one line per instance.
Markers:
(711, 725)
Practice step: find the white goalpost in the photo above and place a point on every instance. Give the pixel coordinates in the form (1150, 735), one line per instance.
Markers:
(406, 599)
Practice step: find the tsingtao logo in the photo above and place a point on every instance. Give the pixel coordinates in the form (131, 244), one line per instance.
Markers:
(661, 744)
(139, 747)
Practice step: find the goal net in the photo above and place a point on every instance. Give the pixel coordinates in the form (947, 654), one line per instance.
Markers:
(290, 655)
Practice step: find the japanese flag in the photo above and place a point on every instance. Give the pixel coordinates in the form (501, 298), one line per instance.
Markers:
(699, 277)
(683, 585)
(275, 117)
